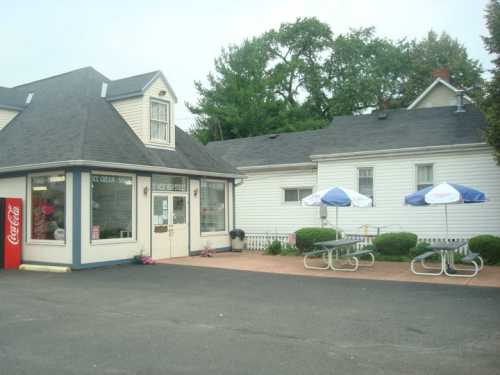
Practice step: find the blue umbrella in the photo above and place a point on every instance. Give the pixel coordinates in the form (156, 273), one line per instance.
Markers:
(337, 197)
(445, 193)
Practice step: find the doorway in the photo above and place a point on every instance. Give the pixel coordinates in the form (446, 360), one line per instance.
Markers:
(169, 226)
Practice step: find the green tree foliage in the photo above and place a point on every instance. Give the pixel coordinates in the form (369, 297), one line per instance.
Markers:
(300, 76)
(440, 51)
(491, 104)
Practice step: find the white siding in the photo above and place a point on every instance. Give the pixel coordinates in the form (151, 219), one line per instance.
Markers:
(6, 116)
(136, 112)
(15, 187)
(152, 92)
(260, 206)
(200, 240)
(395, 177)
(440, 96)
(132, 112)
(116, 250)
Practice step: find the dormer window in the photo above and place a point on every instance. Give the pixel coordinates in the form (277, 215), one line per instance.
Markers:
(160, 120)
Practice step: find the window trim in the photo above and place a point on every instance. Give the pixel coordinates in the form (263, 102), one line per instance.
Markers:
(294, 203)
(415, 175)
(34, 241)
(373, 181)
(107, 241)
(168, 129)
(226, 209)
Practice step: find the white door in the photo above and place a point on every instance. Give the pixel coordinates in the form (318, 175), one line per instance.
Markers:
(170, 226)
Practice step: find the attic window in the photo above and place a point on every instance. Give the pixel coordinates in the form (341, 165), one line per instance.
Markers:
(160, 120)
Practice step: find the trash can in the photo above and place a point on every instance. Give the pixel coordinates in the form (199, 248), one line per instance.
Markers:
(237, 239)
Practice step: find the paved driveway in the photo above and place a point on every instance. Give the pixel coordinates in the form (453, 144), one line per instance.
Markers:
(169, 319)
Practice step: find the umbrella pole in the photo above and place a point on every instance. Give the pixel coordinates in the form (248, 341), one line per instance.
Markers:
(336, 223)
(446, 221)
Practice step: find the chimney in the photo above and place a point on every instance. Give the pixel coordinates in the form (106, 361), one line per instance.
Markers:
(460, 101)
(442, 73)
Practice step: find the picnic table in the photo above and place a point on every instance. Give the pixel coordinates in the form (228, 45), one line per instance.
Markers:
(327, 249)
(446, 252)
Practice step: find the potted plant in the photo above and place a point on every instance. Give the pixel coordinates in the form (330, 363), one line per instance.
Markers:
(237, 239)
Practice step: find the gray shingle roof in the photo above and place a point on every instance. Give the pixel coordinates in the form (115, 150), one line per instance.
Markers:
(68, 120)
(130, 85)
(11, 98)
(401, 129)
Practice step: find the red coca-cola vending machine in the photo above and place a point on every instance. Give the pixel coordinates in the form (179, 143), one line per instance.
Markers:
(11, 232)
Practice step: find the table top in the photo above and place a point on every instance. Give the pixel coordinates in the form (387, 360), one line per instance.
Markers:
(453, 245)
(336, 243)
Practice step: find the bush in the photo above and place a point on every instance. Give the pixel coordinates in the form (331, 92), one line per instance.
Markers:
(289, 250)
(306, 237)
(487, 246)
(274, 248)
(395, 243)
(422, 247)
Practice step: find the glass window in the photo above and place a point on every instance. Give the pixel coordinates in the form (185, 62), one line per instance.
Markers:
(213, 206)
(295, 195)
(169, 183)
(48, 202)
(365, 182)
(160, 210)
(179, 208)
(160, 115)
(425, 176)
(112, 203)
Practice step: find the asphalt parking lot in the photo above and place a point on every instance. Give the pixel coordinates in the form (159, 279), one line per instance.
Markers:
(168, 319)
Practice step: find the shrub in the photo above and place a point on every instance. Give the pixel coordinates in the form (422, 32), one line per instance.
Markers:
(395, 243)
(289, 250)
(487, 246)
(274, 248)
(306, 237)
(422, 247)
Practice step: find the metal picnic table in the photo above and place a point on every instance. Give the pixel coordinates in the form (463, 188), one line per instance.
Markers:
(446, 252)
(327, 250)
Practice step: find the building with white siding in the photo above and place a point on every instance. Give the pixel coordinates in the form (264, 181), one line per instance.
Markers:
(105, 175)
(386, 155)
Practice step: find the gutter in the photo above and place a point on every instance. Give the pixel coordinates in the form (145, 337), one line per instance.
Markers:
(128, 167)
(402, 151)
(256, 168)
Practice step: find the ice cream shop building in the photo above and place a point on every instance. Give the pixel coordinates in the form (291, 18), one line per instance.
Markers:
(104, 174)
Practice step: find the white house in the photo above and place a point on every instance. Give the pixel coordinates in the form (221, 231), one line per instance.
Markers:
(385, 155)
(104, 173)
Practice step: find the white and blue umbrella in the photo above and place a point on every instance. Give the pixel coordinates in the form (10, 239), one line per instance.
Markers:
(337, 197)
(445, 194)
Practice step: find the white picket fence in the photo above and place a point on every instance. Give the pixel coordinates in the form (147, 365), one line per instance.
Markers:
(259, 241)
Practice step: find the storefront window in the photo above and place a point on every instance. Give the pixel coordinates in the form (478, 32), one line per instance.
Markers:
(213, 206)
(48, 202)
(112, 206)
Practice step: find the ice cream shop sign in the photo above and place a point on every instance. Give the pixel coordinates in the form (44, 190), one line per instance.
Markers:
(169, 183)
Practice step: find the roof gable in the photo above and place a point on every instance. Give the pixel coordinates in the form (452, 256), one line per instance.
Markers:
(438, 81)
(135, 86)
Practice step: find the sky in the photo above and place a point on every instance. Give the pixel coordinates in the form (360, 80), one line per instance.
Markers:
(182, 38)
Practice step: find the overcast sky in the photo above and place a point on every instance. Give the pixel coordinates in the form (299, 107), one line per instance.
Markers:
(182, 38)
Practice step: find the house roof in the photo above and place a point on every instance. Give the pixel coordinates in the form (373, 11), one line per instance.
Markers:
(11, 98)
(134, 86)
(429, 89)
(68, 120)
(426, 127)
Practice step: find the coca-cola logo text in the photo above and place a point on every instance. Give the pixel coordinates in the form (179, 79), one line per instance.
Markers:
(14, 220)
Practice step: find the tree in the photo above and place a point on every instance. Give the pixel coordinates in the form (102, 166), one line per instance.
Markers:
(257, 86)
(435, 52)
(300, 76)
(491, 104)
